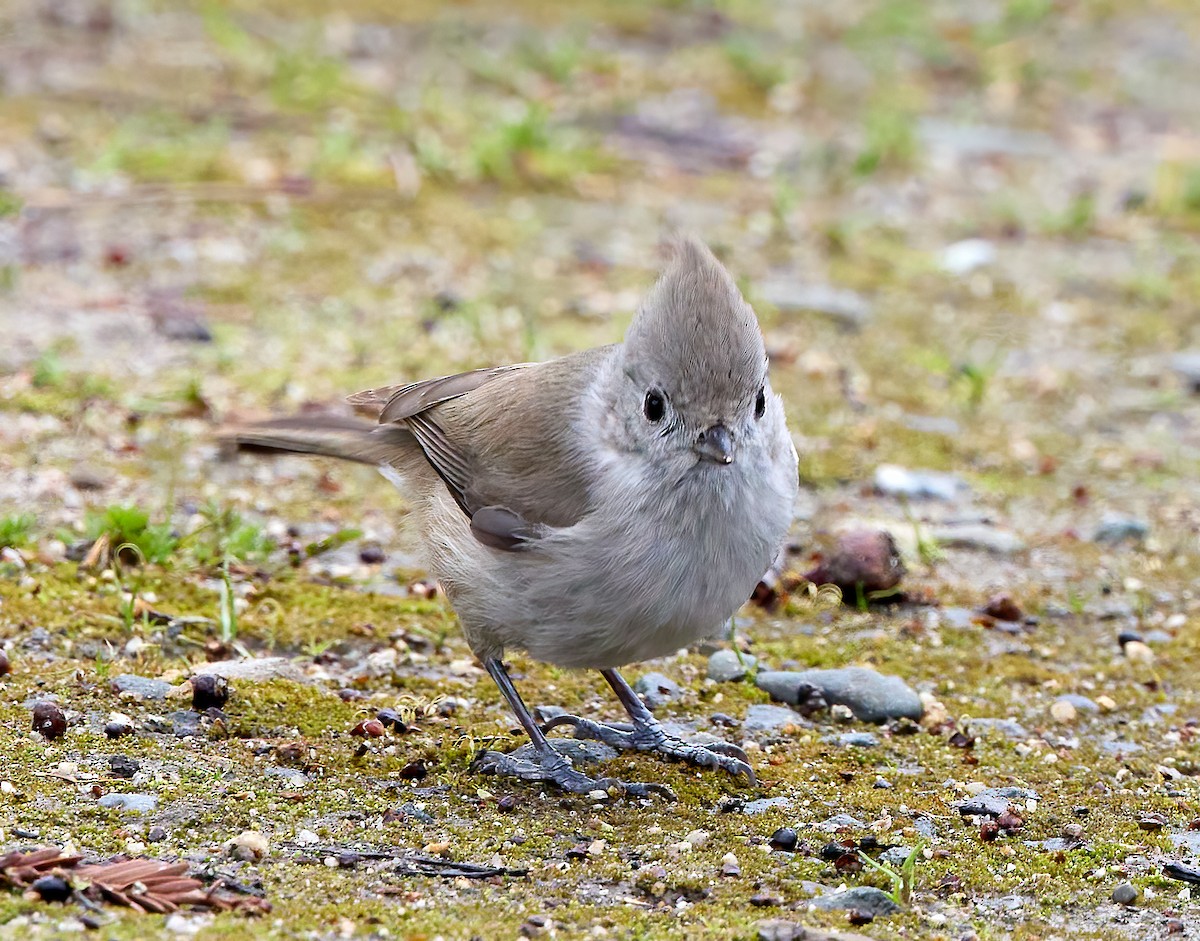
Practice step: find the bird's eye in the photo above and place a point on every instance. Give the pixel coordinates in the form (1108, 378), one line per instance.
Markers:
(655, 406)
(760, 403)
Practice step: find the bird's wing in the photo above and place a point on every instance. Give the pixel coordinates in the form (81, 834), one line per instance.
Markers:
(395, 403)
(501, 441)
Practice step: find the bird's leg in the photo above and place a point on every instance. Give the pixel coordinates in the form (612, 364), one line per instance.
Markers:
(547, 764)
(647, 734)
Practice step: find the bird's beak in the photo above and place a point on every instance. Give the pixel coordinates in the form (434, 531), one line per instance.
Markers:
(715, 445)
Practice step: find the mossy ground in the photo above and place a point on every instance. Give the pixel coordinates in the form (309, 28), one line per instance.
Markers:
(348, 197)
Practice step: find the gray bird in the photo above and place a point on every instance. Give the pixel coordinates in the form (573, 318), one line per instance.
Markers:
(599, 509)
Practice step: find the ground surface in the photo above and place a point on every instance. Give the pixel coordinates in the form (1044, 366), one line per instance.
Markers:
(217, 211)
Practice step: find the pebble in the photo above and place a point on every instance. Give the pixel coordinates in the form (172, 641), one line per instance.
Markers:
(842, 304)
(725, 666)
(868, 899)
(1008, 727)
(5, 665)
(49, 720)
(853, 740)
(763, 717)
(1081, 703)
(872, 696)
(1063, 711)
(130, 803)
(254, 669)
(762, 804)
(784, 839)
(730, 866)
(994, 801)
(841, 822)
(1125, 894)
(979, 537)
(249, 846)
(122, 766)
(1115, 529)
(52, 888)
(656, 689)
(895, 481)
(131, 686)
(965, 256)
(209, 691)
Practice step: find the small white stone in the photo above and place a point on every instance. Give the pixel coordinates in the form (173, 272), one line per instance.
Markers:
(1063, 711)
(697, 838)
(249, 846)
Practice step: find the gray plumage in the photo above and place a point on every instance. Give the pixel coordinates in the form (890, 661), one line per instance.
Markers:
(602, 508)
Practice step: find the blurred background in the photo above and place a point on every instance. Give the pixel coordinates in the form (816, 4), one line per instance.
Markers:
(969, 228)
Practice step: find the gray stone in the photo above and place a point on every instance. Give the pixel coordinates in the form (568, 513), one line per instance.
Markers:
(979, 537)
(895, 481)
(895, 856)
(725, 665)
(871, 696)
(1081, 703)
(293, 776)
(1009, 727)
(791, 296)
(129, 803)
(925, 827)
(993, 801)
(1125, 894)
(841, 822)
(141, 687)
(862, 898)
(255, 669)
(184, 723)
(656, 689)
(853, 740)
(1115, 528)
(763, 804)
(1187, 840)
(763, 717)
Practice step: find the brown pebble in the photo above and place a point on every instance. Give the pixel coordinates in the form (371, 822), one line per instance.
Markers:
(5, 665)
(864, 560)
(507, 804)
(1002, 607)
(1151, 823)
(1009, 821)
(856, 916)
(989, 830)
(762, 900)
(368, 728)
(209, 691)
(414, 771)
(49, 720)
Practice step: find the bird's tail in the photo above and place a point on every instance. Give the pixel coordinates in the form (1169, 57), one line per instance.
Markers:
(328, 435)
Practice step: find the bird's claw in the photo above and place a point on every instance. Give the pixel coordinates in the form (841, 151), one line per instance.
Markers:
(555, 769)
(653, 737)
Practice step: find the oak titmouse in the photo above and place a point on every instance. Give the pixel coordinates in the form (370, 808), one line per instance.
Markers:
(594, 510)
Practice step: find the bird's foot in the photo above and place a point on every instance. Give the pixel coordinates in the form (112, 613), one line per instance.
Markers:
(651, 736)
(552, 767)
